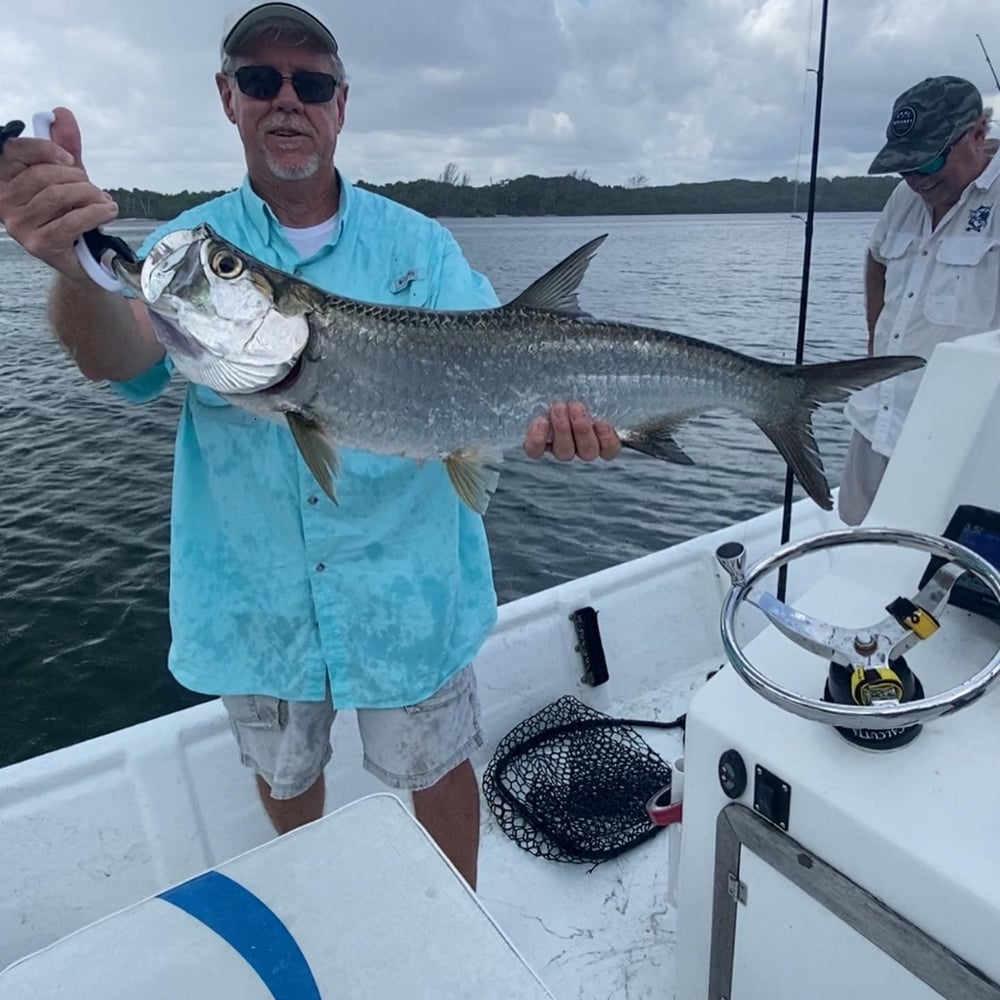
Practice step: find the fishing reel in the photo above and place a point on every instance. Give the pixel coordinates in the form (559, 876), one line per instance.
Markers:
(871, 697)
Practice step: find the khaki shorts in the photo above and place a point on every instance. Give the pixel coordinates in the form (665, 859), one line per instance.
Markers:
(288, 742)
(859, 482)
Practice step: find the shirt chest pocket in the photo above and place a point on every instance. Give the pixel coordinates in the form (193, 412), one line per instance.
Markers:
(894, 250)
(964, 282)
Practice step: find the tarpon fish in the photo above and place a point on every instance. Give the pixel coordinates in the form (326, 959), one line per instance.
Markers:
(461, 386)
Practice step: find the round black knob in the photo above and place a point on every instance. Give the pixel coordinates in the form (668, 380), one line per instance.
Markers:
(732, 774)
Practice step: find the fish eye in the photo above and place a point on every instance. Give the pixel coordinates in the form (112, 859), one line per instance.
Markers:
(226, 264)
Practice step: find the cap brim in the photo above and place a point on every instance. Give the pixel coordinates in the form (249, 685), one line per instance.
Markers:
(883, 162)
(892, 160)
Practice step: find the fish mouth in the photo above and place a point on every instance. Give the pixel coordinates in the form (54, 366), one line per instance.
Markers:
(162, 314)
(173, 264)
(170, 259)
(129, 273)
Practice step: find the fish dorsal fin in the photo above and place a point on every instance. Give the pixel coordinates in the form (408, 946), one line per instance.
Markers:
(555, 291)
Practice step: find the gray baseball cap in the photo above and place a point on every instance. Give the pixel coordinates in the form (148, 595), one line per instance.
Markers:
(239, 22)
(925, 120)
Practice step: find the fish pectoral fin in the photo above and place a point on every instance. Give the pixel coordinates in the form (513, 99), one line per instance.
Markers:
(473, 476)
(317, 451)
(555, 291)
(656, 438)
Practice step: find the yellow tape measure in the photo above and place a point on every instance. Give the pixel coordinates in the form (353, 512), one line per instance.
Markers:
(870, 684)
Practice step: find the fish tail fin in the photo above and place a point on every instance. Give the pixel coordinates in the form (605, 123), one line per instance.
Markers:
(789, 428)
(797, 444)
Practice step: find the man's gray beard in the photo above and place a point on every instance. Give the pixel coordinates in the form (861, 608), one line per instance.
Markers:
(286, 173)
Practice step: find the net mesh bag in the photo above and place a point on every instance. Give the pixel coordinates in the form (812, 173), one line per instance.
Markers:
(571, 783)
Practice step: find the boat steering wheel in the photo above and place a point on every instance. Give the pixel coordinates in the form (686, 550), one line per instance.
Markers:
(873, 647)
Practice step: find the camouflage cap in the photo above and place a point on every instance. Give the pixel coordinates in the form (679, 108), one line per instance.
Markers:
(925, 120)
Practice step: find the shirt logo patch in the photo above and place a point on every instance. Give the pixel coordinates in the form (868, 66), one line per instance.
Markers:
(978, 217)
(404, 281)
(903, 121)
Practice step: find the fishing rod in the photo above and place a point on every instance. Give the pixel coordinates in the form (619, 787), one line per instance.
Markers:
(988, 62)
(800, 344)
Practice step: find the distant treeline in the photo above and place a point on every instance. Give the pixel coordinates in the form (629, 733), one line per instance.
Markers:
(576, 194)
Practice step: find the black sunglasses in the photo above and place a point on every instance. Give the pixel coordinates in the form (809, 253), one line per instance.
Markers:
(263, 83)
(933, 166)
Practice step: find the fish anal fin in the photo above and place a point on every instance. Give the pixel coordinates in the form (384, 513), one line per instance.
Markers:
(317, 451)
(555, 291)
(473, 476)
(656, 438)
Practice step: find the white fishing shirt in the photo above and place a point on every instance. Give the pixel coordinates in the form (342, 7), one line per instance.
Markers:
(940, 285)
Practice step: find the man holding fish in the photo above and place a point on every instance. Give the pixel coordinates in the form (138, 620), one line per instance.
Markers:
(352, 383)
(287, 605)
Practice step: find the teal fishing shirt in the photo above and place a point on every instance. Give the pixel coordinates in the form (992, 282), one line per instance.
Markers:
(274, 589)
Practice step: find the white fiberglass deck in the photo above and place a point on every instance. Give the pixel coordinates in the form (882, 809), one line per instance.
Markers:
(595, 932)
(587, 932)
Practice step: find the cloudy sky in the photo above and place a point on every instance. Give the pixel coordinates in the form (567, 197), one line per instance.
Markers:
(673, 90)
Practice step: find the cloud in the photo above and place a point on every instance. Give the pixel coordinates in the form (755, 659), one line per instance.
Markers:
(687, 91)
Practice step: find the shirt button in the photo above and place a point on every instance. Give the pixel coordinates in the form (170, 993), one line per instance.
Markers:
(895, 336)
(320, 567)
(312, 501)
(923, 253)
(884, 408)
(909, 295)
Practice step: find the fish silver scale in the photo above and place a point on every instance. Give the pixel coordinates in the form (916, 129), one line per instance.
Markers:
(424, 384)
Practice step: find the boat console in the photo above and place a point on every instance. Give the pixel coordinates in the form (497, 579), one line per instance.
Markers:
(842, 799)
